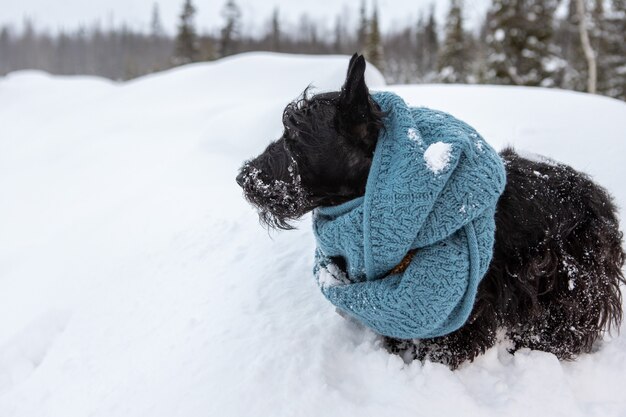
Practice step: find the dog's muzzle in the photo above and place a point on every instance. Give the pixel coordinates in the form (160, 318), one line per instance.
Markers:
(240, 178)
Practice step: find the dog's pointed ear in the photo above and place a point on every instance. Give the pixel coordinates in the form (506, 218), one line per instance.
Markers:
(354, 102)
(354, 93)
(352, 59)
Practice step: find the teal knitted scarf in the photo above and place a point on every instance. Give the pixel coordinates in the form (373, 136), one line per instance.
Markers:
(433, 187)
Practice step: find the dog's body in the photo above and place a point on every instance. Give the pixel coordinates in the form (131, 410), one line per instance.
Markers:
(553, 283)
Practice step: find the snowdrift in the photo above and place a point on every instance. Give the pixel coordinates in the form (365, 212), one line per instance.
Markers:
(135, 280)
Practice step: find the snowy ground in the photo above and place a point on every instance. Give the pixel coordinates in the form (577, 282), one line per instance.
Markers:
(135, 280)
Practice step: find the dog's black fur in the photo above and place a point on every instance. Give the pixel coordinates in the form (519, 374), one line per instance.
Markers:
(553, 283)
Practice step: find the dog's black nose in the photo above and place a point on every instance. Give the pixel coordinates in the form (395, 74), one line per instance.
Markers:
(239, 179)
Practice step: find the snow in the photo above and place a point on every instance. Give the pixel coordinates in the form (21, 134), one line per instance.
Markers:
(412, 134)
(135, 279)
(536, 157)
(331, 276)
(437, 156)
(499, 35)
(571, 284)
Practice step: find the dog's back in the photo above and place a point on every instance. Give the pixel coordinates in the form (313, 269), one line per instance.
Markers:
(558, 257)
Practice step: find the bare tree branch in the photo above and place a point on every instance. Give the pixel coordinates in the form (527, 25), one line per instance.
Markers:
(586, 44)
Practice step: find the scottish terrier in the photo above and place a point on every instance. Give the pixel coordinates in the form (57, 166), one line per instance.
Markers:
(554, 280)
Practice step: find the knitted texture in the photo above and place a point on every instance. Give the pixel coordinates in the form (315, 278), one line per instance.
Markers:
(433, 186)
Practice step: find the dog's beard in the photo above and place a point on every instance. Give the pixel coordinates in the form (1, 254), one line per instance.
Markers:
(277, 201)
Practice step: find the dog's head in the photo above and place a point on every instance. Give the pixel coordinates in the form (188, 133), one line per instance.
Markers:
(323, 157)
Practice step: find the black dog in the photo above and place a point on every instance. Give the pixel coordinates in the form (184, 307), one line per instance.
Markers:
(553, 283)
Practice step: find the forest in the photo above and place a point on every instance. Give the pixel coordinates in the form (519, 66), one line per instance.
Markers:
(570, 44)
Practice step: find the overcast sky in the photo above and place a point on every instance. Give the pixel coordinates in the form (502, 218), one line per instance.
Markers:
(69, 14)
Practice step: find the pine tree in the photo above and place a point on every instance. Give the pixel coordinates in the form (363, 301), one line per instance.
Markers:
(480, 57)
(154, 55)
(338, 33)
(186, 40)
(5, 42)
(276, 31)
(453, 60)
(363, 29)
(432, 39)
(519, 41)
(156, 27)
(427, 46)
(568, 40)
(230, 32)
(613, 51)
(373, 46)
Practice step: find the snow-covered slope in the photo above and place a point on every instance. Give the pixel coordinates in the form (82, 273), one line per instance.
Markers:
(135, 280)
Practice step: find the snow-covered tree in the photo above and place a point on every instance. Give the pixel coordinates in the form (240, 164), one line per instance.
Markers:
(453, 63)
(231, 29)
(373, 46)
(519, 41)
(567, 38)
(187, 49)
(612, 51)
(427, 46)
